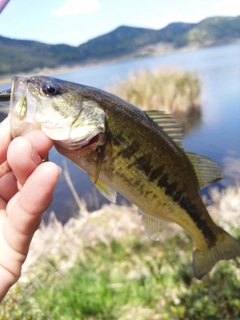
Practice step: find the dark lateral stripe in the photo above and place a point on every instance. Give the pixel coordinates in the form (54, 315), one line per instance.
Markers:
(171, 189)
(124, 152)
(191, 209)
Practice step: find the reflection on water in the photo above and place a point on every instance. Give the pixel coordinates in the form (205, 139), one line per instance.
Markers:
(191, 120)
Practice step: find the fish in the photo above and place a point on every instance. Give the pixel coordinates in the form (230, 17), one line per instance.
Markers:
(125, 150)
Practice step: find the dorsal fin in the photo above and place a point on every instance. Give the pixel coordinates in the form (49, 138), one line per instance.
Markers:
(167, 124)
(207, 170)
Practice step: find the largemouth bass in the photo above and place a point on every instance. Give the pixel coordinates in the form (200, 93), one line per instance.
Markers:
(126, 150)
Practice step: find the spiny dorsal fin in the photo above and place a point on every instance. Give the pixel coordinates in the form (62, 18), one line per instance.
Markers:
(109, 193)
(207, 170)
(152, 226)
(167, 124)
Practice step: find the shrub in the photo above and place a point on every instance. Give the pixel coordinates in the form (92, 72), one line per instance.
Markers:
(175, 92)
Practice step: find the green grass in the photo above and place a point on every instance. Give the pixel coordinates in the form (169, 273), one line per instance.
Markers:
(130, 276)
(130, 279)
(102, 266)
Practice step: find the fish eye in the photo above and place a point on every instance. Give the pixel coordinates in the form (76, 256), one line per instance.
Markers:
(51, 89)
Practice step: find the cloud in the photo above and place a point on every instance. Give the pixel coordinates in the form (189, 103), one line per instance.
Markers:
(76, 7)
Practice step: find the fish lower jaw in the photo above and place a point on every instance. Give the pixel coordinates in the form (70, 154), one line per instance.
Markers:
(69, 144)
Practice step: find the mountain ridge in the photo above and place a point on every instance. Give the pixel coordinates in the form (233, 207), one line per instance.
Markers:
(121, 43)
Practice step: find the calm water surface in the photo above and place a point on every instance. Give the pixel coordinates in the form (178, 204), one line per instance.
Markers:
(217, 136)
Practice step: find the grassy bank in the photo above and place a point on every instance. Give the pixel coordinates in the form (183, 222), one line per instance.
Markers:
(102, 266)
(176, 92)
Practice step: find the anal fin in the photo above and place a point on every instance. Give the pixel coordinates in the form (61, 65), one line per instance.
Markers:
(153, 226)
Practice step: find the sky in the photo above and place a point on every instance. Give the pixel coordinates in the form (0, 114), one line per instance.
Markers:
(74, 22)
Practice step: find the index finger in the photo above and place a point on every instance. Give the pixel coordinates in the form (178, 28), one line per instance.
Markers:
(5, 139)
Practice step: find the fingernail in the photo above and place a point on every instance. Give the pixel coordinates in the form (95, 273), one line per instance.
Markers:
(36, 158)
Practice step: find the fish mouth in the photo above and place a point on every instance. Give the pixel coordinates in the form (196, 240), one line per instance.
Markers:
(18, 96)
(22, 108)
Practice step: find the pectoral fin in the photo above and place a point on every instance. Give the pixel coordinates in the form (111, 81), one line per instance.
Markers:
(108, 193)
(153, 226)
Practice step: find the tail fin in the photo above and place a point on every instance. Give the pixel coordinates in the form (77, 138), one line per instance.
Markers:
(225, 248)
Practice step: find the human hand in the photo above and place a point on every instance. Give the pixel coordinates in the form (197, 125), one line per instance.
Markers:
(26, 188)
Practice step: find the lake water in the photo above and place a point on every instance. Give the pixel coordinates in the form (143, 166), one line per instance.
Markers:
(217, 136)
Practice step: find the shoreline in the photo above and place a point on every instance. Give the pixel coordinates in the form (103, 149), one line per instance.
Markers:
(148, 51)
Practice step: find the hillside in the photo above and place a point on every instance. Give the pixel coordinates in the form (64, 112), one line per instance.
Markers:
(128, 40)
(215, 31)
(123, 42)
(25, 55)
